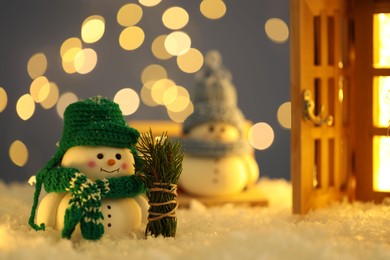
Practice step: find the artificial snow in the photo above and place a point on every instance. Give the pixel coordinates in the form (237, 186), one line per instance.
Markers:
(341, 231)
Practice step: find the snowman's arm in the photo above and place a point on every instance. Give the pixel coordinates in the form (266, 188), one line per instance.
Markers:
(124, 187)
(252, 169)
(142, 202)
(47, 210)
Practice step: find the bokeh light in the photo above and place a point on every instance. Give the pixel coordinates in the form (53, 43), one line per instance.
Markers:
(213, 9)
(276, 30)
(158, 89)
(52, 98)
(65, 100)
(177, 43)
(18, 153)
(149, 3)
(68, 66)
(131, 38)
(158, 48)
(25, 107)
(179, 104)
(170, 94)
(180, 117)
(39, 89)
(261, 136)
(69, 50)
(128, 101)
(146, 94)
(3, 99)
(176, 98)
(85, 61)
(153, 72)
(191, 61)
(175, 18)
(284, 115)
(69, 44)
(37, 65)
(129, 15)
(92, 29)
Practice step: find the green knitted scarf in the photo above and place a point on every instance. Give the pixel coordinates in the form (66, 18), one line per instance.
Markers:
(86, 198)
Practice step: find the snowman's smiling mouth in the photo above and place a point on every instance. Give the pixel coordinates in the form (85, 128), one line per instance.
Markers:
(103, 170)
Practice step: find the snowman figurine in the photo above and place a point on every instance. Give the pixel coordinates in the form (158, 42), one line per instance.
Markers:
(91, 182)
(217, 158)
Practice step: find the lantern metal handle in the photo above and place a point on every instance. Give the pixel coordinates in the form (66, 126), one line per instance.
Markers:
(308, 111)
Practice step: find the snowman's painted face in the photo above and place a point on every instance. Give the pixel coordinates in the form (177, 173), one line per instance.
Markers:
(215, 131)
(99, 162)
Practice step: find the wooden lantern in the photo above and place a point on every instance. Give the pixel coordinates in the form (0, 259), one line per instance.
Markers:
(339, 88)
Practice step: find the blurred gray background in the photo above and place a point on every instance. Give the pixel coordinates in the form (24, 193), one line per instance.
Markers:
(260, 68)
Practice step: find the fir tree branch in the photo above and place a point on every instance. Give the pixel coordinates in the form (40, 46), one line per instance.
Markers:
(161, 171)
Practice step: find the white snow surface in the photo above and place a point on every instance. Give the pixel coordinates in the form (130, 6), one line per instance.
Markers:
(341, 231)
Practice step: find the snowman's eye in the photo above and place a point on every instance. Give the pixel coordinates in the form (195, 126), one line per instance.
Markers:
(222, 129)
(118, 156)
(211, 128)
(100, 156)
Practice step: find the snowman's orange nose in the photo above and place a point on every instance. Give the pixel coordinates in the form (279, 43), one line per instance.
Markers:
(111, 162)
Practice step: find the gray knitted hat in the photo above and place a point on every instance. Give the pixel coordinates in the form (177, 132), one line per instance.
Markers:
(215, 98)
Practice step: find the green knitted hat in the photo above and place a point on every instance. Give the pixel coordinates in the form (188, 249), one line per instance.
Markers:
(96, 122)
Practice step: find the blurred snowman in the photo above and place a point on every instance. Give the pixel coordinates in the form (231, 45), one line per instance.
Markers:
(217, 157)
(90, 182)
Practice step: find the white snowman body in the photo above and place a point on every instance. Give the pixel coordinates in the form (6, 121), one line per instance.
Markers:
(217, 176)
(121, 216)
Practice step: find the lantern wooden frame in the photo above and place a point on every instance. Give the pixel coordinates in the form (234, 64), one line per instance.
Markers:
(332, 41)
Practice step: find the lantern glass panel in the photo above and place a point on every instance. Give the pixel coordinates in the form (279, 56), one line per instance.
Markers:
(381, 163)
(381, 101)
(381, 35)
